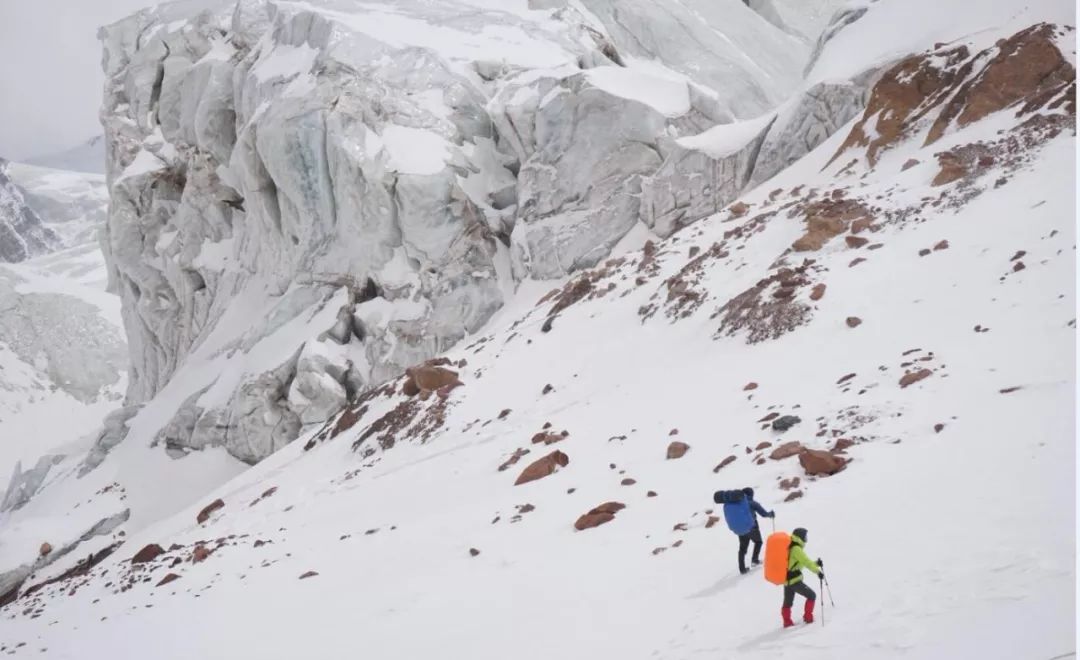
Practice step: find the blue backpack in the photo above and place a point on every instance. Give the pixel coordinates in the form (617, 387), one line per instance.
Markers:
(737, 514)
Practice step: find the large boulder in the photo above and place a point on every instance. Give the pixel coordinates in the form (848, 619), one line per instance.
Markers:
(821, 463)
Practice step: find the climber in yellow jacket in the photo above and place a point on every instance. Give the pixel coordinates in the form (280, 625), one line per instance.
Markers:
(797, 561)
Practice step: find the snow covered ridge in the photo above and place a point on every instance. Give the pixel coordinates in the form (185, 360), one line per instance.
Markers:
(420, 159)
(22, 234)
(873, 339)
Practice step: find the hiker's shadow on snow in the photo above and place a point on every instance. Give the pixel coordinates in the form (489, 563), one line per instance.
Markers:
(720, 585)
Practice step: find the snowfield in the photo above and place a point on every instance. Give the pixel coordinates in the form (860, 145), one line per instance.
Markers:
(543, 488)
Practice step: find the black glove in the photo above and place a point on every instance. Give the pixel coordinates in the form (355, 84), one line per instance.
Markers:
(821, 574)
(772, 514)
(820, 563)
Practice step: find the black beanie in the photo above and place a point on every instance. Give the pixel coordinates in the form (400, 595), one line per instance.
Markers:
(801, 533)
(749, 492)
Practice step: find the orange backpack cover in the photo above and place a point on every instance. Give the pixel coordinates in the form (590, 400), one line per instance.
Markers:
(776, 557)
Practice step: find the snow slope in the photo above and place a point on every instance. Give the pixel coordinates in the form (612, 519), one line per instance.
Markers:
(908, 291)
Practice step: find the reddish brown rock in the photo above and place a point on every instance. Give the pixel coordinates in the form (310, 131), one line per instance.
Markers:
(308, 574)
(543, 467)
(793, 495)
(739, 209)
(953, 167)
(788, 484)
(505, 413)
(148, 553)
(410, 388)
(679, 527)
(204, 515)
(912, 377)
(853, 321)
(1018, 266)
(1026, 67)
(856, 241)
(473, 552)
(768, 418)
(826, 219)
(673, 432)
(856, 261)
(908, 164)
(818, 292)
(45, 549)
(514, 458)
(941, 245)
(750, 386)
(727, 461)
(861, 225)
(712, 520)
(599, 515)
(171, 577)
(200, 553)
(786, 450)
(842, 444)
(845, 378)
(677, 450)
(1019, 255)
(651, 493)
(547, 438)
(817, 462)
(938, 428)
(628, 482)
(765, 444)
(429, 377)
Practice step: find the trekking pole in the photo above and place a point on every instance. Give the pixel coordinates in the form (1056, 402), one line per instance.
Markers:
(829, 592)
(821, 586)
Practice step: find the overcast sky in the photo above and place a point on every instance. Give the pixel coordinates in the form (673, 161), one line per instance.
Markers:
(50, 72)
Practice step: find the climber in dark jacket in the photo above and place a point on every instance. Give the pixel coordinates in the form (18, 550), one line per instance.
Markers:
(754, 534)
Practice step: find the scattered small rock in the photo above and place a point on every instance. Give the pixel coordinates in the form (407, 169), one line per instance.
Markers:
(941, 245)
(750, 386)
(548, 389)
(786, 450)
(473, 552)
(913, 377)
(845, 379)
(204, 515)
(818, 292)
(856, 241)
(853, 321)
(505, 413)
(724, 463)
(45, 549)
(763, 445)
(628, 482)
(200, 553)
(1019, 255)
(677, 450)
(543, 467)
(712, 520)
(171, 577)
(673, 432)
(1018, 266)
(793, 495)
(599, 515)
(786, 422)
(1007, 390)
(308, 574)
(923, 252)
(939, 427)
(651, 493)
(788, 484)
(739, 209)
(908, 164)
